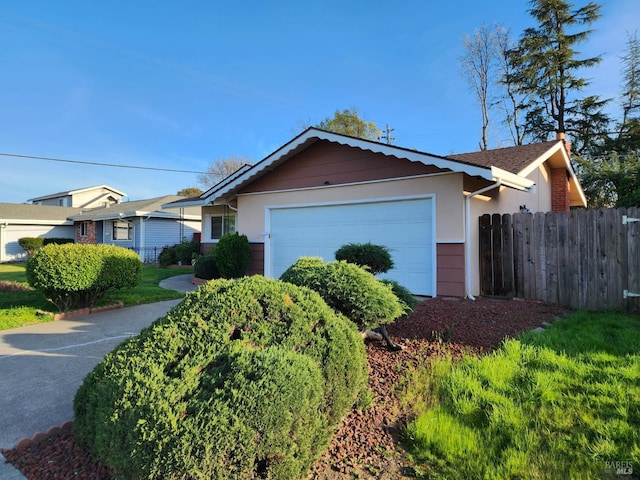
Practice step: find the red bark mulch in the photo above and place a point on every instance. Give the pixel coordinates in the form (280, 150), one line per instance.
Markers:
(368, 444)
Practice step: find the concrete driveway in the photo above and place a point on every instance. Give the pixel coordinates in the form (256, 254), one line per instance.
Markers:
(42, 366)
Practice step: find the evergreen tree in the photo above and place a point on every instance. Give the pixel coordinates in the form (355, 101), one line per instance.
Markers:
(546, 65)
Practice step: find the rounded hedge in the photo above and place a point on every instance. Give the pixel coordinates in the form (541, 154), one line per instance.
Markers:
(243, 379)
(206, 268)
(232, 255)
(31, 244)
(77, 276)
(377, 258)
(349, 289)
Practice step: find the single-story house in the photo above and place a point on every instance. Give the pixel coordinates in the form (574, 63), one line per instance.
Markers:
(144, 226)
(322, 190)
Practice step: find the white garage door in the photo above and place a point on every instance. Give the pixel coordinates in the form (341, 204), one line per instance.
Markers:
(406, 226)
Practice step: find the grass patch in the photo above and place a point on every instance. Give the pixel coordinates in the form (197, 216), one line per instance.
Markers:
(20, 308)
(561, 404)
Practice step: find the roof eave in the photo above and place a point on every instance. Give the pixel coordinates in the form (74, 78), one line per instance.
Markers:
(311, 135)
(512, 180)
(577, 196)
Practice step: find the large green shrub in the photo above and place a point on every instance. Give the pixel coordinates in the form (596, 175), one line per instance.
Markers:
(232, 255)
(77, 276)
(244, 379)
(206, 268)
(377, 258)
(349, 289)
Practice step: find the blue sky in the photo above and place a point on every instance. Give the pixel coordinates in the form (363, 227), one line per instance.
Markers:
(177, 84)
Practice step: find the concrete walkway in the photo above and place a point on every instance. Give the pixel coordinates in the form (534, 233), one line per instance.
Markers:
(42, 366)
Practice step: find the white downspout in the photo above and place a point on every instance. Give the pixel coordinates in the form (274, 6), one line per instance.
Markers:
(467, 236)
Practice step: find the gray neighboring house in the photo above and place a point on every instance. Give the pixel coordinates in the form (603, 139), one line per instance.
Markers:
(144, 226)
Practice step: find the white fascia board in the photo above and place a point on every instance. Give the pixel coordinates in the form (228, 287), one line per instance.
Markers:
(544, 157)
(137, 214)
(196, 202)
(20, 221)
(567, 163)
(375, 147)
(512, 180)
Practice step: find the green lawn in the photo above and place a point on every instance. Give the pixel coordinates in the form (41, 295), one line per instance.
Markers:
(19, 308)
(562, 404)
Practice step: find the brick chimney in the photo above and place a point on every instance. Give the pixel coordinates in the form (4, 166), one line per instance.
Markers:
(560, 181)
(566, 143)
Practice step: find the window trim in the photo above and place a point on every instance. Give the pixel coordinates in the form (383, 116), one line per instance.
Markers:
(115, 229)
(223, 230)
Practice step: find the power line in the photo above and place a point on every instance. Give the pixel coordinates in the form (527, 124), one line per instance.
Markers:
(82, 162)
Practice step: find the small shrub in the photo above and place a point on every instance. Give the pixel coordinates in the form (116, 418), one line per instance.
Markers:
(168, 256)
(182, 253)
(57, 241)
(376, 258)
(77, 276)
(232, 255)
(403, 294)
(206, 268)
(30, 244)
(349, 289)
(245, 378)
(186, 251)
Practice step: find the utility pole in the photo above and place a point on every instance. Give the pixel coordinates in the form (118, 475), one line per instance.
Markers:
(386, 136)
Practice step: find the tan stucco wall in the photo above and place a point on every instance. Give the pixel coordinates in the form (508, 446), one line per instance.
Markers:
(446, 190)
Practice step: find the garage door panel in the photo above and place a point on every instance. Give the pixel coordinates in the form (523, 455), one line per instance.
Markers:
(406, 227)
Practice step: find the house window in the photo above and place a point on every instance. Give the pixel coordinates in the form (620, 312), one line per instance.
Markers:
(84, 229)
(122, 231)
(220, 225)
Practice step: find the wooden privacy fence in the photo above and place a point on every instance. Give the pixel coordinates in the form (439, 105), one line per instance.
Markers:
(584, 259)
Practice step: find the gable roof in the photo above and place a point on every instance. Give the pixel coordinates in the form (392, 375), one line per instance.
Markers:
(521, 160)
(79, 190)
(29, 214)
(141, 208)
(243, 177)
(512, 159)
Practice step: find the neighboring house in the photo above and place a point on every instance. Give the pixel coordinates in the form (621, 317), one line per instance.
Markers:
(322, 190)
(89, 197)
(24, 220)
(144, 226)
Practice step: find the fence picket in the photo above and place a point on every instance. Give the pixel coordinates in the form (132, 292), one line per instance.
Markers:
(507, 256)
(551, 256)
(562, 231)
